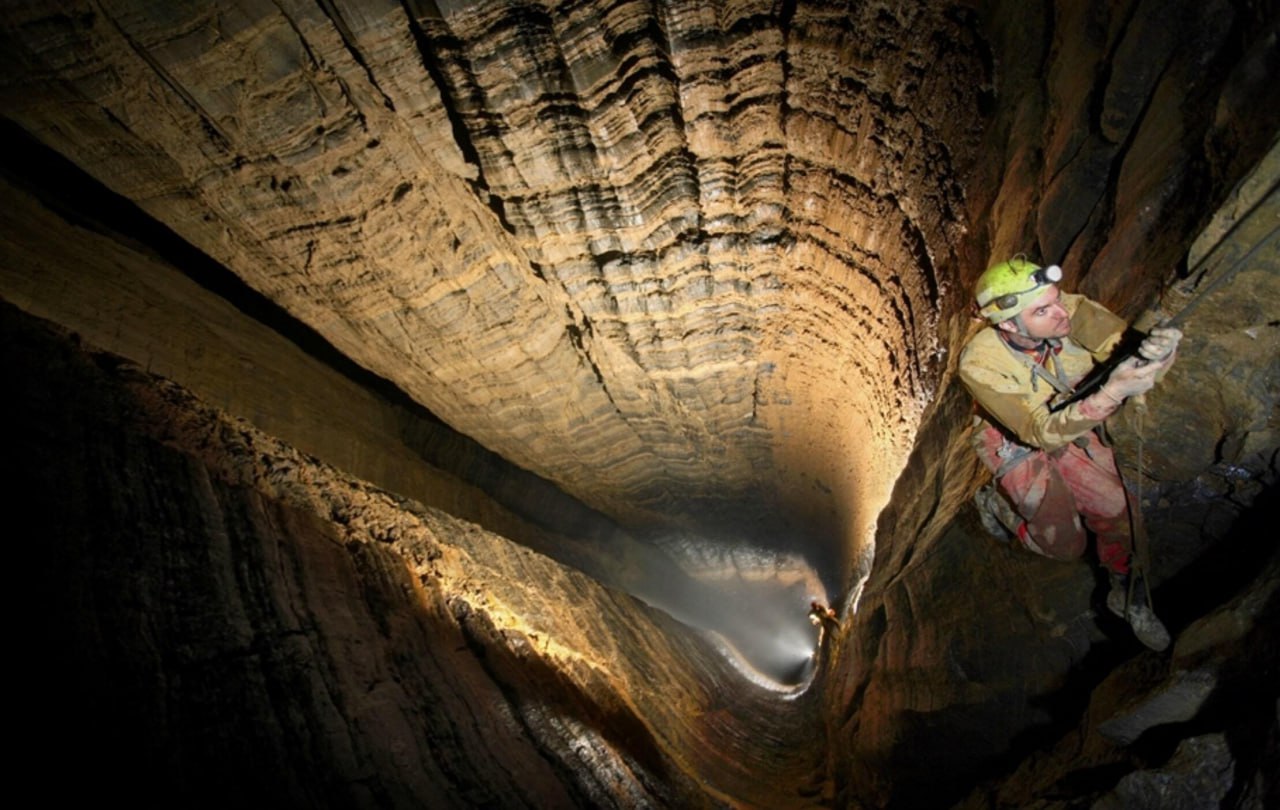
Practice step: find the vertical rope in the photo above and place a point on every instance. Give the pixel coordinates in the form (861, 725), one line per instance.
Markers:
(1141, 548)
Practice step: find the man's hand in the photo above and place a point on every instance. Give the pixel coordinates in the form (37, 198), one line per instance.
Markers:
(1132, 377)
(1160, 344)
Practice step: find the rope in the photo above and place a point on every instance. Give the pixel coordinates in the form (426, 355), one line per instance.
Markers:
(1094, 379)
(1188, 286)
(1141, 548)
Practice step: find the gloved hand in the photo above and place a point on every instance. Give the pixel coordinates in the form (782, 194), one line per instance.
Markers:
(1160, 343)
(1132, 377)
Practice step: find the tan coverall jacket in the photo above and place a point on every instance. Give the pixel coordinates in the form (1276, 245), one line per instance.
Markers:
(1010, 394)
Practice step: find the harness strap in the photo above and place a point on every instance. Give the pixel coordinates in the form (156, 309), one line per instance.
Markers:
(1058, 379)
(1015, 457)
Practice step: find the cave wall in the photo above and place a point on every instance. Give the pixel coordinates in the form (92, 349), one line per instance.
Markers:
(216, 618)
(1006, 667)
(683, 261)
(624, 246)
(79, 256)
(968, 652)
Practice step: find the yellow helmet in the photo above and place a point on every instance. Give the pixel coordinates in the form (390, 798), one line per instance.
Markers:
(1005, 289)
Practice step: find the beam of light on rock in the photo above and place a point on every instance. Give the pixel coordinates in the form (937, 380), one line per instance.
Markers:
(755, 600)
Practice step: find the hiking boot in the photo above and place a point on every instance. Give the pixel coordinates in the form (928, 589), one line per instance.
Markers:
(1141, 618)
(997, 516)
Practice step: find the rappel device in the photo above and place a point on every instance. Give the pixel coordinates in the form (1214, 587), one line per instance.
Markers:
(1126, 348)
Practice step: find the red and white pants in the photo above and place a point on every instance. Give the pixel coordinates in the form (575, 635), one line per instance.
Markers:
(1053, 492)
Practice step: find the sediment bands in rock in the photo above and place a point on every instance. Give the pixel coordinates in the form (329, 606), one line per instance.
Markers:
(660, 254)
(217, 619)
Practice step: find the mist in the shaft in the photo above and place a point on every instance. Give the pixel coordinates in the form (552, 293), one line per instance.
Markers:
(755, 600)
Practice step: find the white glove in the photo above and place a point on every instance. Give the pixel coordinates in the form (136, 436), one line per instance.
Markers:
(1161, 343)
(1132, 377)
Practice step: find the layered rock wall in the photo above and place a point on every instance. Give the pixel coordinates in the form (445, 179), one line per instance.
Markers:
(677, 259)
(81, 257)
(702, 266)
(978, 654)
(216, 618)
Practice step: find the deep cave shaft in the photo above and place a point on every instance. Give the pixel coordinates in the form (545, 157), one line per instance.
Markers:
(374, 356)
(680, 262)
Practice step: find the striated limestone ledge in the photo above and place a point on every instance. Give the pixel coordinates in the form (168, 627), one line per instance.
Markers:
(75, 257)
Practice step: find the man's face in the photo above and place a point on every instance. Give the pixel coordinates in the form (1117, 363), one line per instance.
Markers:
(1046, 317)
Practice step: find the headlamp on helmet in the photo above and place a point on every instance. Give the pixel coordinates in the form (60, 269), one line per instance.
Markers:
(1009, 287)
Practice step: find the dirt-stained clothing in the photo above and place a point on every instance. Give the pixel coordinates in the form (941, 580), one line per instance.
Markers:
(1052, 466)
